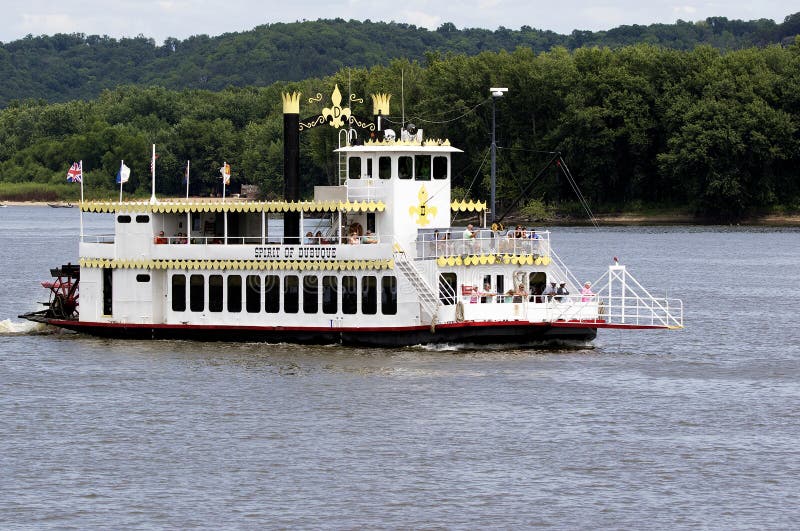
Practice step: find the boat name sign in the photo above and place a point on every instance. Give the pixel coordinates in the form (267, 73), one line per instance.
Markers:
(296, 253)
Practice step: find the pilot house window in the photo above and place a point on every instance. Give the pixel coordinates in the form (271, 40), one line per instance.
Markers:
(405, 167)
(439, 167)
(385, 168)
(422, 170)
(354, 167)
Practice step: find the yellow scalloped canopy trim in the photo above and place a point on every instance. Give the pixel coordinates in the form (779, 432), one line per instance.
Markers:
(468, 206)
(300, 265)
(135, 207)
(483, 259)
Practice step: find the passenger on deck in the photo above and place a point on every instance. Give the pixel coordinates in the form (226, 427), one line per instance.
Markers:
(469, 238)
(586, 292)
(369, 237)
(469, 232)
(309, 238)
(487, 294)
(521, 294)
(318, 238)
(562, 292)
(161, 238)
(354, 239)
(550, 291)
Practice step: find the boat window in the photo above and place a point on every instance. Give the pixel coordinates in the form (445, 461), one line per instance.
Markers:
(349, 295)
(123, 219)
(142, 218)
(330, 294)
(500, 283)
(253, 294)
(196, 293)
(369, 295)
(447, 288)
(405, 167)
(354, 167)
(385, 167)
(291, 300)
(369, 169)
(422, 170)
(389, 295)
(143, 277)
(235, 293)
(178, 293)
(215, 293)
(272, 293)
(439, 167)
(310, 294)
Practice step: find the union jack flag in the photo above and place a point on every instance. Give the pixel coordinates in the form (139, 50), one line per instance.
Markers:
(75, 173)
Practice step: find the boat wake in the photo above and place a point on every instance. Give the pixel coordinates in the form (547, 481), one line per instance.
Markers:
(9, 327)
(553, 345)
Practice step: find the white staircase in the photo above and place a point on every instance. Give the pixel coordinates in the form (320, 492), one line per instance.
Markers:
(428, 300)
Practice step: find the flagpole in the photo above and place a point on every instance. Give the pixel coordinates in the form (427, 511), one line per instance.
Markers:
(121, 164)
(153, 171)
(224, 169)
(187, 179)
(81, 204)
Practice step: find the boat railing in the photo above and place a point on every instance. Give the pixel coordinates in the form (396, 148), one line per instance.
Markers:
(98, 238)
(365, 189)
(258, 240)
(455, 241)
(623, 301)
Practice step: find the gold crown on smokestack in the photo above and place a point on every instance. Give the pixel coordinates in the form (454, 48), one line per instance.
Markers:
(380, 103)
(291, 102)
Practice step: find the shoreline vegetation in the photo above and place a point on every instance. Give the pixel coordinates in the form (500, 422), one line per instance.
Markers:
(643, 129)
(616, 219)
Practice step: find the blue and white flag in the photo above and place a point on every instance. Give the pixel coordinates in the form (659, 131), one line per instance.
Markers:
(123, 174)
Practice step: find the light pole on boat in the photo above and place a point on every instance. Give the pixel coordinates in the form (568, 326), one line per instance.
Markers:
(496, 92)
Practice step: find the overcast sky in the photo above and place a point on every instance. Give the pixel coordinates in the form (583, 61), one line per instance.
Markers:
(160, 19)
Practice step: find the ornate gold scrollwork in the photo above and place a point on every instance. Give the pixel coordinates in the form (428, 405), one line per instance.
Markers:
(313, 123)
(363, 125)
(315, 99)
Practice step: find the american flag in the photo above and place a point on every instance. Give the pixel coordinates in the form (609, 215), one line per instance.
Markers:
(75, 173)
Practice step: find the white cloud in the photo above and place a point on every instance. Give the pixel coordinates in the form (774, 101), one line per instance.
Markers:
(49, 23)
(603, 17)
(488, 4)
(418, 18)
(684, 10)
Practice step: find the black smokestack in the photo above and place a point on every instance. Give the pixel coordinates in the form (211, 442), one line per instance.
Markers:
(291, 165)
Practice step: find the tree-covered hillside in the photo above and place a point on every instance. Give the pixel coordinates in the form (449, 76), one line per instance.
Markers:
(717, 132)
(66, 67)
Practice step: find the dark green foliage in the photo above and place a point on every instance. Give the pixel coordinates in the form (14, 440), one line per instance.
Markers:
(712, 131)
(66, 67)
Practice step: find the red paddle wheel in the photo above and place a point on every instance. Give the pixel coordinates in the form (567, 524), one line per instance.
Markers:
(63, 292)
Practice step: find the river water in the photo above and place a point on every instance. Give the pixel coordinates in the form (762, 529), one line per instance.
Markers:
(664, 429)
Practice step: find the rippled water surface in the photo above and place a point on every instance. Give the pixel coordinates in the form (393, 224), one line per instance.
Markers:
(685, 429)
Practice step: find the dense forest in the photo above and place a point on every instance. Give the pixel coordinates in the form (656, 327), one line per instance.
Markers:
(66, 67)
(715, 132)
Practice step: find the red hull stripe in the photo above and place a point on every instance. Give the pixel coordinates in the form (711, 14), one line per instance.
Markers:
(466, 324)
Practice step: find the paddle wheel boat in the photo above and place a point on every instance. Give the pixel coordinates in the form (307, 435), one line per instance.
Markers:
(373, 261)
